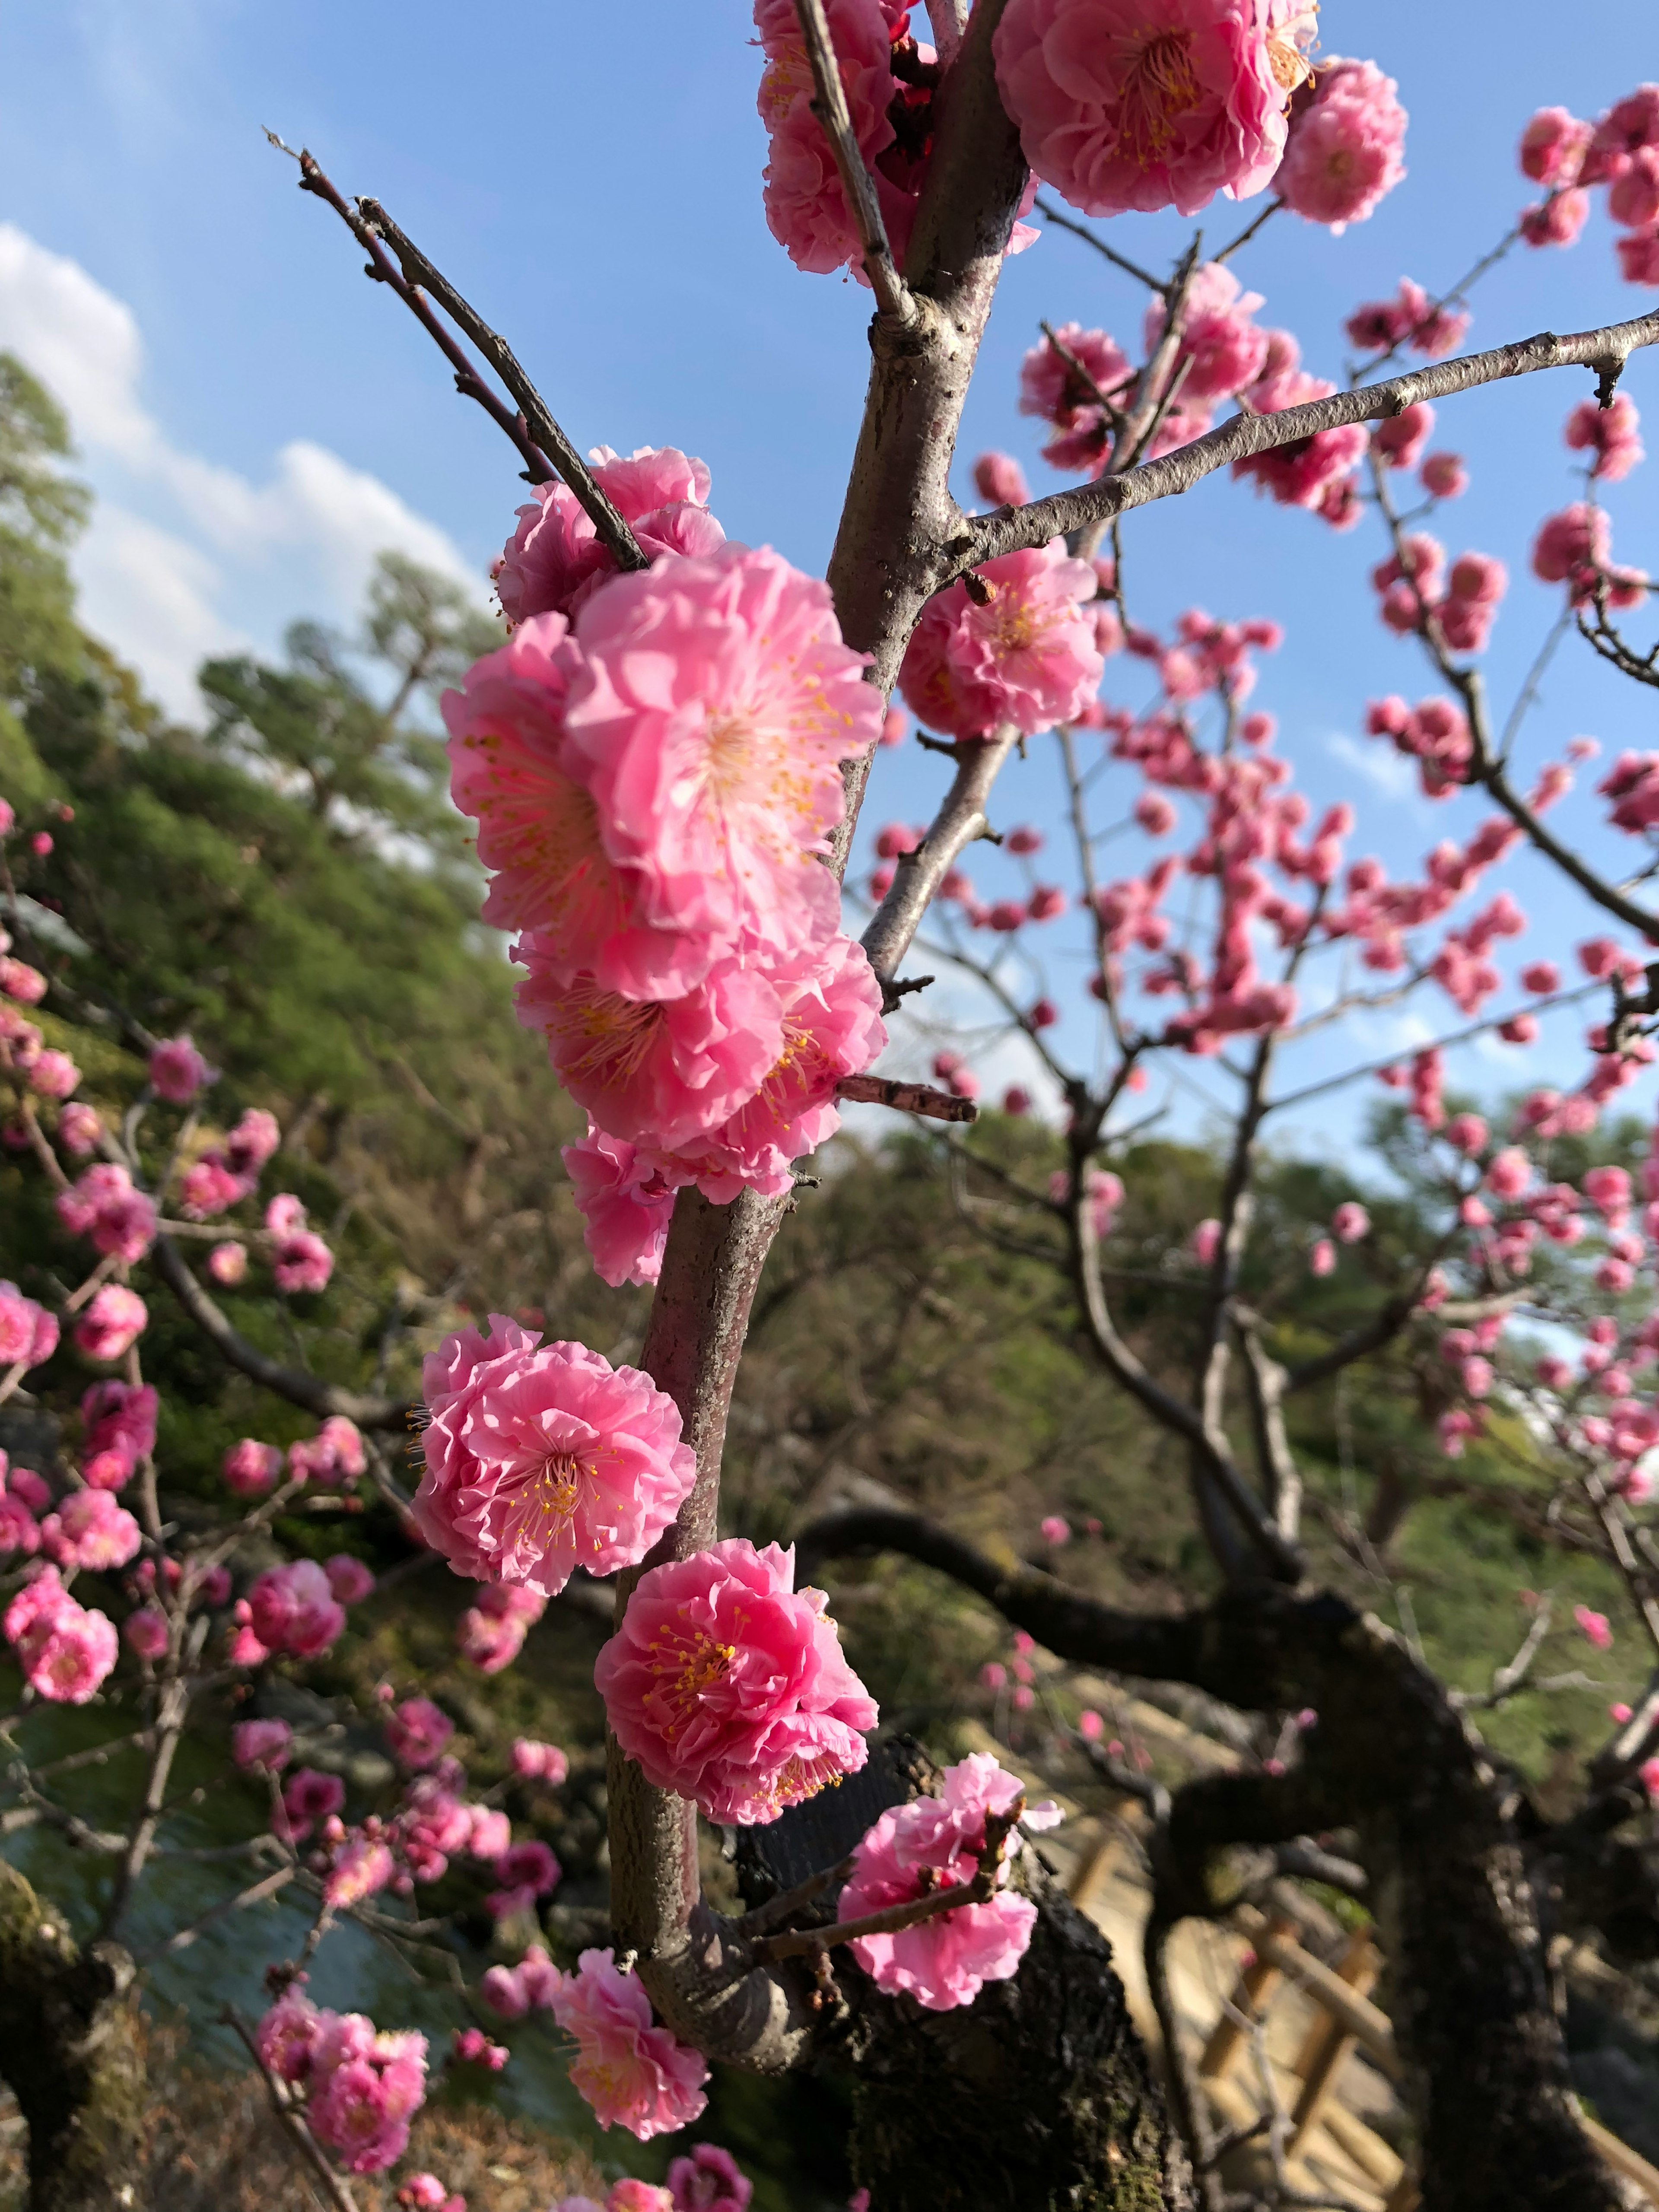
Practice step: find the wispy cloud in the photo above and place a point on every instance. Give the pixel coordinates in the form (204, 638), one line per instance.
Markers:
(188, 539)
(1388, 771)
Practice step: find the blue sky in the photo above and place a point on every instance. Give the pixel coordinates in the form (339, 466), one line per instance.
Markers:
(259, 420)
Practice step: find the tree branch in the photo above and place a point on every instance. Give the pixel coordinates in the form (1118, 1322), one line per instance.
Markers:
(918, 875)
(1011, 530)
(892, 296)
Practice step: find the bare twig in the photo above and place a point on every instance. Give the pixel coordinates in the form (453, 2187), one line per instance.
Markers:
(918, 875)
(810, 1942)
(291, 2118)
(893, 298)
(906, 1097)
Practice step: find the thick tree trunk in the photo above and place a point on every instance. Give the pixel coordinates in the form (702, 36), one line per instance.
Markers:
(1038, 2094)
(68, 2051)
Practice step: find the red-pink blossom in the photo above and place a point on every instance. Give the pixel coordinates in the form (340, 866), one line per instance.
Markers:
(53, 1075)
(286, 2039)
(1632, 784)
(416, 1733)
(1206, 1241)
(365, 2085)
(262, 1746)
(934, 1842)
(103, 1205)
(1350, 1222)
(1638, 263)
(1553, 146)
(1223, 346)
(349, 1580)
(207, 1187)
(1026, 657)
(712, 705)
(112, 1323)
(117, 1430)
(542, 1458)
(1057, 1530)
(177, 1071)
(333, 1458)
(29, 1333)
(1633, 193)
(1593, 1626)
(633, 2074)
(227, 1264)
(1465, 1132)
(534, 1761)
(250, 1469)
(1444, 476)
(1147, 104)
(1607, 433)
(1345, 146)
(292, 1609)
(65, 1651)
(473, 2046)
(362, 1866)
(21, 982)
(308, 1797)
(79, 1127)
(999, 480)
(709, 2180)
(144, 1630)
(553, 560)
(1558, 220)
(830, 1004)
(730, 1687)
(301, 1262)
(1322, 1260)
(89, 1530)
(1298, 475)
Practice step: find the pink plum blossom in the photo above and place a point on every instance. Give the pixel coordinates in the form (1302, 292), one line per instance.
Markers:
(227, 1264)
(21, 982)
(262, 1746)
(349, 1580)
(29, 1333)
(1225, 346)
(1345, 146)
(79, 1127)
(658, 1072)
(534, 1761)
(250, 1469)
(145, 1632)
(65, 1652)
(709, 2180)
(999, 481)
(1056, 1530)
(1553, 146)
(301, 1262)
(934, 1842)
(633, 2075)
(120, 1417)
(333, 1458)
(177, 1071)
(1028, 656)
(416, 1733)
(308, 1797)
(1351, 1222)
(1301, 473)
(1593, 1626)
(360, 1868)
(53, 1075)
(475, 2048)
(1322, 1260)
(804, 201)
(104, 1206)
(1206, 1241)
(287, 2036)
(1146, 104)
(1444, 476)
(730, 1687)
(1608, 434)
(293, 1610)
(553, 560)
(541, 1458)
(89, 1530)
(112, 1323)
(714, 705)
(365, 2085)
(626, 1202)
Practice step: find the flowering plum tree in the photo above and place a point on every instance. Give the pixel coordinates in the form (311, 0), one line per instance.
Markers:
(665, 759)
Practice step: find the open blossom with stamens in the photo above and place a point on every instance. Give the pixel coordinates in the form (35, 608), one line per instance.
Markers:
(29, 1333)
(712, 709)
(541, 1458)
(65, 1651)
(1149, 104)
(1345, 146)
(553, 560)
(633, 2074)
(934, 1842)
(416, 1732)
(729, 1686)
(659, 1072)
(538, 828)
(832, 1027)
(1028, 656)
(365, 2086)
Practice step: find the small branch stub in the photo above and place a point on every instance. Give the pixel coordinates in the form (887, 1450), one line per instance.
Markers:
(906, 1097)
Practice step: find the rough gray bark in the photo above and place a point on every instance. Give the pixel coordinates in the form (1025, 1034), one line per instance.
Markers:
(69, 2052)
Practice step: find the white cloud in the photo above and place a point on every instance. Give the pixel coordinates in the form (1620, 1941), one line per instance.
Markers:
(1391, 773)
(187, 540)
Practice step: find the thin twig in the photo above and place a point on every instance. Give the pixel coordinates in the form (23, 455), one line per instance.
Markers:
(906, 1097)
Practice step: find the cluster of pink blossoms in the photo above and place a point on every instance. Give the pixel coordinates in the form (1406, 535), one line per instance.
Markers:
(935, 1843)
(1149, 104)
(29, 1333)
(361, 2086)
(228, 1173)
(490, 1635)
(1346, 142)
(1620, 151)
(64, 1649)
(889, 79)
(728, 1685)
(654, 783)
(540, 1459)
